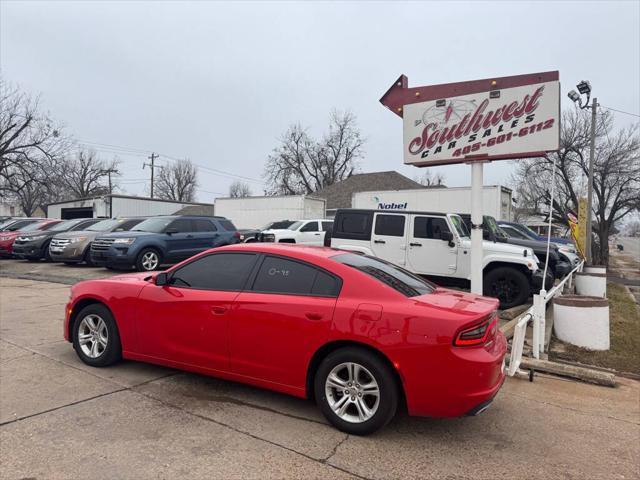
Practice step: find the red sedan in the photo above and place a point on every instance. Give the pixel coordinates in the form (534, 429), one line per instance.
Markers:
(8, 237)
(357, 334)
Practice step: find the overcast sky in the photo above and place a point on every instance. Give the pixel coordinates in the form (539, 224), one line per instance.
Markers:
(219, 82)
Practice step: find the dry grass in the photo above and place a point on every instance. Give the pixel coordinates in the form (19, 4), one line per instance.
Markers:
(624, 355)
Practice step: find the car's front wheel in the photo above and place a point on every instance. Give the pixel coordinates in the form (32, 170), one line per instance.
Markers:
(356, 390)
(509, 285)
(96, 339)
(148, 260)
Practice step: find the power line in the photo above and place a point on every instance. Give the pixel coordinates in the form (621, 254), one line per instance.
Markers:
(619, 111)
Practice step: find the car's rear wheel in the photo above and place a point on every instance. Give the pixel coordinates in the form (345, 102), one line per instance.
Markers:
(148, 260)
(356, 390)
(509, 285)
(96, 339)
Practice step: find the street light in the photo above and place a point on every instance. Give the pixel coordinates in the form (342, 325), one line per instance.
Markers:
(584, 87)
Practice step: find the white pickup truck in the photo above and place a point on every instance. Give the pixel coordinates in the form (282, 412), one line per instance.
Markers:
(306, 232)
(438, 245)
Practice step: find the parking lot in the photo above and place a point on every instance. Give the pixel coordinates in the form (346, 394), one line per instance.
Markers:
(62, 419)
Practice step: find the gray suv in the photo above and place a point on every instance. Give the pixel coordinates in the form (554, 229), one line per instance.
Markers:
(75, 246)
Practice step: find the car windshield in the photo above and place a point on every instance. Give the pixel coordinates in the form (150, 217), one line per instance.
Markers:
(33, 226)
(64, 226)
(104, 225)
(395, 277)
(295, 225)
(282, 224)
(492, 226)
(459, 225)
(153, 225)
(527, 231)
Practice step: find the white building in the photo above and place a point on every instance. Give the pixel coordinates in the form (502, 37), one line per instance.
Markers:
(108, 206)
(256, 212)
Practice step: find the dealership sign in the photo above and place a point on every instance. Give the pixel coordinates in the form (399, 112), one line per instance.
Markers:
(491, 119)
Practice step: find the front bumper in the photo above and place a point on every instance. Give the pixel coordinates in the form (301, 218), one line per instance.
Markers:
(69, 253)
(28, 250)
(536, 280)
(6, 249)
(562, 269)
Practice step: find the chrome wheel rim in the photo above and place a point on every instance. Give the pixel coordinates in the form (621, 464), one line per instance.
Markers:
(150, 261)
(352, 392)
(93, 336)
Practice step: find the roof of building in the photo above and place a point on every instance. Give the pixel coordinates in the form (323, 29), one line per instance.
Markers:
(339, 194)
(195, 210)
(117, 195)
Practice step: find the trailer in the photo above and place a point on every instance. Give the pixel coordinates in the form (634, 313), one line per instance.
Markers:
(496, 200)
(256, 212)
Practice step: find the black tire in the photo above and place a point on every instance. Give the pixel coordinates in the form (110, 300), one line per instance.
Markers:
(69, 264)
(507, 284)
(328, 235)
(140, 263)
(110, 354)
(87, 257)
(45, 253)
(381, 373)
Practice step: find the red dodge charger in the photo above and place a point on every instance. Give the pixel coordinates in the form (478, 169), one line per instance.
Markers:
(355, 333)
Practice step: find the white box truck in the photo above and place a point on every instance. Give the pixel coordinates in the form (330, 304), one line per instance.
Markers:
(256, 212)
(496, 200)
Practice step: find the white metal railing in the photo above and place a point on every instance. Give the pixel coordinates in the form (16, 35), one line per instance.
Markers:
(536, 314)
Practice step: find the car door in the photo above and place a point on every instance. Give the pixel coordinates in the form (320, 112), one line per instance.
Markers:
(389, 240)
(281, 320)
(310, 234)
(181, 242)
(206, 234)
(429, 252)
(186, 321)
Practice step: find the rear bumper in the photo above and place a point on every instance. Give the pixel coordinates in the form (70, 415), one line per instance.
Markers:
(462, 381)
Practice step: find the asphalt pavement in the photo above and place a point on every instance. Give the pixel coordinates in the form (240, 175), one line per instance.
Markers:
(62, 419)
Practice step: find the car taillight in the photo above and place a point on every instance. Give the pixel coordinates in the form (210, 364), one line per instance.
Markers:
(479, 333)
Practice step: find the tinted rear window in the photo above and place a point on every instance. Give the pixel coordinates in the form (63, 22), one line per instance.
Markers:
(279, 275)
(228, 225)
(390, 225)
(203, 225)
(353, 225)
(391, 275)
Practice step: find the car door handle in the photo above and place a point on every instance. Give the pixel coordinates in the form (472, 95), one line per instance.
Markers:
(218, 310)
(379, 241)
(313, 316)
(189, 236)
(413, 244)
(317, 234)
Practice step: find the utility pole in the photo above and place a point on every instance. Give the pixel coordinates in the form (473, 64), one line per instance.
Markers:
(152, 157)
(109, 172)
(594, 108)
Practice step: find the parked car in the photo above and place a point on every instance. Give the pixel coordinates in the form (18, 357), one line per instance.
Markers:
(8, 235)
(34, 246)
(75, 246)
(438, 245)
(14, 224)
(308, 232)
(533, 235)
(162, 240)
(357, 334)
(566, 250)
(254, 235)
(490, 231)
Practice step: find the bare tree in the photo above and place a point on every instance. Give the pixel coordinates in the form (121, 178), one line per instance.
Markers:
(31, 147)
(431, 179)
(301, 164)
(85, 175)
(239, 189)
(616, 185)
(177, 181)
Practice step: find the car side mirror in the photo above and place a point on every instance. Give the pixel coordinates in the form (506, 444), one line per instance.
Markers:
(447, 237)
(171, 231)
(162, 279)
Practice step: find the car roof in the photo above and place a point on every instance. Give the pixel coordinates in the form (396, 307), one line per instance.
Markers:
(284, 249)
(373, 210)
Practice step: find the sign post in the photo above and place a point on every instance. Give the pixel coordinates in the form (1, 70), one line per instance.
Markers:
(476, 122)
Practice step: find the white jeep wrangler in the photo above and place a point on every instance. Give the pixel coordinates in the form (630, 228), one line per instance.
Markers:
(306, 232)
(438, 245)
